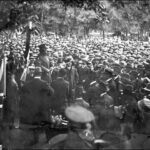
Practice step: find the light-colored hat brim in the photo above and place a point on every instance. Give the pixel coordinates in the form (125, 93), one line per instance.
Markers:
(79, 114)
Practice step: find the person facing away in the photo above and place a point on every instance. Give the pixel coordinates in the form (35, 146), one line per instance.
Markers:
(35, 100)
(61, 96)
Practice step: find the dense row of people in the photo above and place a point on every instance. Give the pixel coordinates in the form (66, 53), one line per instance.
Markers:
(110, 78)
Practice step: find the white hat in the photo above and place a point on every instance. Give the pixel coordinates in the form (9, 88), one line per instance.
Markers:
(144, 102)
(79, 114)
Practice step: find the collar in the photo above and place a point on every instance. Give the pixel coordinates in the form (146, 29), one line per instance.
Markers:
(37, 77)
(60, 78)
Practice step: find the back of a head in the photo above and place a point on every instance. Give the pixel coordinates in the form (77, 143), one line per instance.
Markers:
(42, 49)
(38, 71)
(62, 72)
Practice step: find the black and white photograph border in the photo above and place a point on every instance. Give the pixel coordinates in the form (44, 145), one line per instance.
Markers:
(74, 74)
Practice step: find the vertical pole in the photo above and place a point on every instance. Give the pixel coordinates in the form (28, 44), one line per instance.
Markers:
(27, 43)
(3, 96)
(4, 75)
(28, 39)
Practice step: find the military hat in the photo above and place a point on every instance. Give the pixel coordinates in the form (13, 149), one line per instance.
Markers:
(79, 114)
(109, 71)
(147, 88)
(81, 102)
(144, 103)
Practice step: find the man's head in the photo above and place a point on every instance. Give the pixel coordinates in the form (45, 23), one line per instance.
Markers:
(38, 71)
(62, 72)
(42, 49)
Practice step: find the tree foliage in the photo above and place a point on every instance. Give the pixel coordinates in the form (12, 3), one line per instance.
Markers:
(69, 16)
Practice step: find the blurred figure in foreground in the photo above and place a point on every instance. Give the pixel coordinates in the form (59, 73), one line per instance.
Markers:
(35, 100)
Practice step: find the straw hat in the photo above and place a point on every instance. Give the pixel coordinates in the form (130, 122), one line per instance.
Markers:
(79, 114)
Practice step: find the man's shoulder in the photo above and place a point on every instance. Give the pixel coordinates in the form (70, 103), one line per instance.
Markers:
(66, 82)
(36, 81)
(60, 81)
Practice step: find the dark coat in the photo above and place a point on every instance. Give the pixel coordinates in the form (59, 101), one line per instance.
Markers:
(11, 102)
(61, 94)
(35, 101)
(72, 77)
(82, 74)
(44, 61)
(94, 92)
(74, 141)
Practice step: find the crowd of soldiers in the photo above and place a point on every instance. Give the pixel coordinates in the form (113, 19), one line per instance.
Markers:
(108, 79)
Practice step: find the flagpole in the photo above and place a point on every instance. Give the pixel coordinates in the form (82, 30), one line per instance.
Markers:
(4, 75)
(3, 95)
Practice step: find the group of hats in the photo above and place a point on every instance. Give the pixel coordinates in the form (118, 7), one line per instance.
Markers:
(107, 48)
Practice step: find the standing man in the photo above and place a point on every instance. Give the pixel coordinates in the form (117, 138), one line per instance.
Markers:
(35, 100)
(72, 77)
(60, 98)
(44, 62)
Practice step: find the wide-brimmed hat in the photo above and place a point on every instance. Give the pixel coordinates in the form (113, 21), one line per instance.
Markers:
(79, 114)
(147, 88)
(81, 102)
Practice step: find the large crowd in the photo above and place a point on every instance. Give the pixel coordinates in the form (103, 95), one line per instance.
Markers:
(96, 74)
